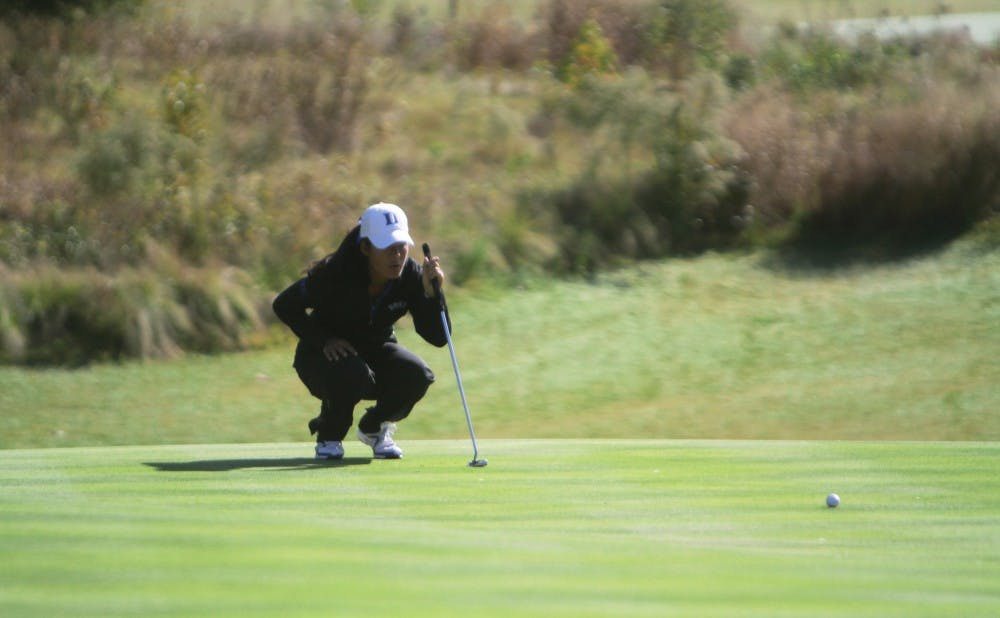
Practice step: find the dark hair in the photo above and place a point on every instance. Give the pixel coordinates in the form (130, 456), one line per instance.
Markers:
(347, 256)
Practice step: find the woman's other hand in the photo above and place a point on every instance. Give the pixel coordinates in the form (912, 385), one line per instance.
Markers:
(335, 349)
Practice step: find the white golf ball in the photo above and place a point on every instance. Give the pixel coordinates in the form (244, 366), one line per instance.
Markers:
(832, 500)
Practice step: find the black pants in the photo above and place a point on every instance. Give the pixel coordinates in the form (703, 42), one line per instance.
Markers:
(388, 373)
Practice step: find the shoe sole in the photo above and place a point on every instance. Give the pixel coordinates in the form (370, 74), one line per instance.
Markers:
(329, 457)
(384, 456)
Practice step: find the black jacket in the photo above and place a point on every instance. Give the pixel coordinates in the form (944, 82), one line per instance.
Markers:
(332, 301)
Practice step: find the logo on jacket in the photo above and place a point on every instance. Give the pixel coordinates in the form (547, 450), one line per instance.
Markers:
(398, 305)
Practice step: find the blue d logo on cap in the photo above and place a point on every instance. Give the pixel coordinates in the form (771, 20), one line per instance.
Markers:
(385, 225)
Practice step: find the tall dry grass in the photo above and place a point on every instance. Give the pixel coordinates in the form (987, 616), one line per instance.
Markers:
(892, 167)
(52, 316)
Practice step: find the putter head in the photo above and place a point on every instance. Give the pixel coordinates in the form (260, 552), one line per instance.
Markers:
(478, 463)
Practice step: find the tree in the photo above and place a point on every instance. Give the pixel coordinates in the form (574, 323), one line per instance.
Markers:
(691, 31)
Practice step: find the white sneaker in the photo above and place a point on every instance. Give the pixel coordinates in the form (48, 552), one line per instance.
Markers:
(382, 445)
(329, 450)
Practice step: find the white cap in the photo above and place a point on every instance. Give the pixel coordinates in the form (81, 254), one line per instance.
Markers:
(385, 225)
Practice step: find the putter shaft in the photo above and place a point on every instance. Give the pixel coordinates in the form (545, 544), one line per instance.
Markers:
(476, 462)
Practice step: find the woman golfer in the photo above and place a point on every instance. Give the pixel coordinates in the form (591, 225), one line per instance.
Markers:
(343, 311)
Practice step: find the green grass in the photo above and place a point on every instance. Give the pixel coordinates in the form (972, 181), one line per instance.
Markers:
(719, 346)
(551, 528)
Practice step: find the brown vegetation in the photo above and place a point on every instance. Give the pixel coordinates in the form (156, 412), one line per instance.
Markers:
(160, 179)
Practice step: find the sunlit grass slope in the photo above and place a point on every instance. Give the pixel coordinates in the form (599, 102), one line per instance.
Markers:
(719, 346)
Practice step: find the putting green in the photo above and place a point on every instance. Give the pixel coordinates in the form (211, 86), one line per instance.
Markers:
(549, 528)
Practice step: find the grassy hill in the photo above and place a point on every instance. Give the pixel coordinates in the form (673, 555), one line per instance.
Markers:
(166, 170)
(720, 346)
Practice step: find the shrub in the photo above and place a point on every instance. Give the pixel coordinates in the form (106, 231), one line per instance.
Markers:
(329, 87)
(182, 104)
(696, 195)
(740, 72)
(816, 59)
(851, 172)
(621, 22)
(493, 40)
(785, 147)
(902, 178)
(30, 49)
(75, 317)
(146, 181)
(688, 33)
(591, 54)
(39, 218)
(46, 71)
(689, 193)
(112, 161)
(67, 320)
(80, 100)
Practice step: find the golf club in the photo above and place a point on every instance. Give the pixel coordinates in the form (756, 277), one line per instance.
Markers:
(476, 461)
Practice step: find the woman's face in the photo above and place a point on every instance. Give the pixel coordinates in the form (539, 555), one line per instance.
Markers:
(386, 264)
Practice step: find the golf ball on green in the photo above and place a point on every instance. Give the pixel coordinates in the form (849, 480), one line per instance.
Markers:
(832, 500)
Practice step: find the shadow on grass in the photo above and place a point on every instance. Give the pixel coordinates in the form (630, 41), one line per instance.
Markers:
(227, 465)
(802, 258)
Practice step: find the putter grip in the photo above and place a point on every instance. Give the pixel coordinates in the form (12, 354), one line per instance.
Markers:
(434, 281)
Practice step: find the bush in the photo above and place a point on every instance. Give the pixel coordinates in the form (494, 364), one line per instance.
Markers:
(816, 59)
(684, 34)
(862, 172)
(740, 72)
(785, 147)
(903, 178)
(182, 104)
(81, 101)
(72, 318)
(591, 54)
(621, 22)
(688, 194)
(30, 50)
(492, 40)
(329, 88)
(67, 320)
(112, 162)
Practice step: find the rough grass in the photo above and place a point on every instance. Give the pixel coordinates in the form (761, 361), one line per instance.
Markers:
(712, 347)
(551, 528)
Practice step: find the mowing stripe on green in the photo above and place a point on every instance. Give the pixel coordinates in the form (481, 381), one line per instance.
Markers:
(550, 528)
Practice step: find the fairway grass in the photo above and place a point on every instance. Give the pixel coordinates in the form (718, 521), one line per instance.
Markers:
(551, 528)
(717, 347)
